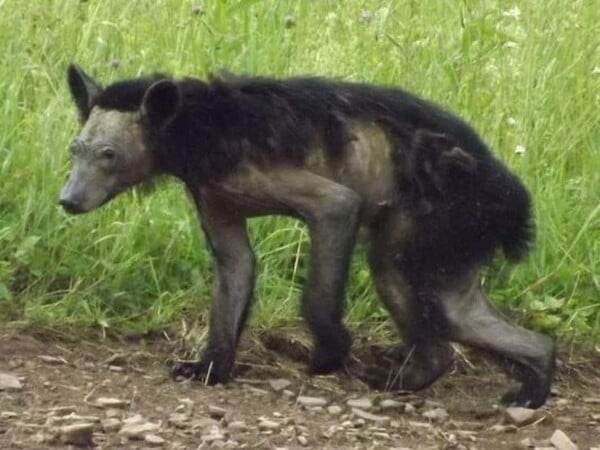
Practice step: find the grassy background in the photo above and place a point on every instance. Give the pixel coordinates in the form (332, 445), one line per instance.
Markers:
(528, 79)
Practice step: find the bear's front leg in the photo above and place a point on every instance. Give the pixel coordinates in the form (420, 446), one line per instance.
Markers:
(234, 263)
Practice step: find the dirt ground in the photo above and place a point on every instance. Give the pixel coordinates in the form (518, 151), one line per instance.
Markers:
(117, 394)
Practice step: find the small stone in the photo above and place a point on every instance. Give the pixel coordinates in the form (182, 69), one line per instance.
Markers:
(592, 400)
(213, 437)
(279, 384)
(110, 402)
(204, 423)
(79, 434)
(238, 425)
(520, 416)
(267, 424)
(376, 418)
(216, 411)
(110, 425)
(115, 368)
(139, 430)
(561, 441)
(302, 441)
(311, 401)
(527, 442)
(112, 412)
(153, 440)
(178, 420)
(8, 415)
(334, 410)
(288, 393)
(198, 10)
(9, 382)
(133, 420)
(438, 414)
(391, 404)
(360, 403)
(409, 408)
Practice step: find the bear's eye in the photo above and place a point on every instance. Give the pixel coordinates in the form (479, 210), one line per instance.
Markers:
(107, 153)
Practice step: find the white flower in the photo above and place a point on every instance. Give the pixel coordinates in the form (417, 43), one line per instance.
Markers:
(520, 149)
(514, 13)
(511, 121)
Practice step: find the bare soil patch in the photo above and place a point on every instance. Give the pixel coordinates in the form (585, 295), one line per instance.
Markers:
(113, 394)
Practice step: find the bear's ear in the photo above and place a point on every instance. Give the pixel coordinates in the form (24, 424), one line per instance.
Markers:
(161, 103)
(83, 90)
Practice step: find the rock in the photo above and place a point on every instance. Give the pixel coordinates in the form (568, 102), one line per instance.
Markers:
(8, 415)
(178, 420)
(302, 440)
(9, 382)
(79, 434)
(213, 437)
(288, 393)
(376, 418)
(238, 425)
(592, 400)
(561, 441)
(138, 430)
(520, 416)
(311, 401)
(527, 442)
(135, 419)
(153, 440)
(216, 412)
(112, 412)
(360, 403)
(334, 410)
(204, 424)
(267, 424)
(437, 414)
(389, 403)
(111, 424)
(279, 384)
(109, 402)
(409, 408)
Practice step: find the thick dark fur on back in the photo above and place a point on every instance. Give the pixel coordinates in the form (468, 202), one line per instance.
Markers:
(228, 119)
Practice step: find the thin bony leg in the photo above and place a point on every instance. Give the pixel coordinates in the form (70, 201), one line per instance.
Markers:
(427, 354)
(472, 319)
(234, 269)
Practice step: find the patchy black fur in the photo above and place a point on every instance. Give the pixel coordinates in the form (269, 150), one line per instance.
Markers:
(231, 118)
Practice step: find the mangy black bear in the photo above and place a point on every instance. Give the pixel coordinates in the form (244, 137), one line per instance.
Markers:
(339, 156)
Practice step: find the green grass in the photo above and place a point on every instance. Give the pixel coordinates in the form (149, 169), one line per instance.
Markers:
(528, 77)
